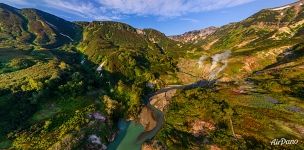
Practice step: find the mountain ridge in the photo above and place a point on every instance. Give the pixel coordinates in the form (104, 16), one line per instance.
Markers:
(284, 20)
(68, 85)
(191, 36)
(36, 28)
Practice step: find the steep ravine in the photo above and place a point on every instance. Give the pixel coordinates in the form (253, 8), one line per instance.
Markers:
(133, 134)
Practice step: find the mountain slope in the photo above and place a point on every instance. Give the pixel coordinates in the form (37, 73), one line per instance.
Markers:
(35, 28)
(104, 41)
(258, 64)
(65, 85)
(193, 36)
(269, 27)
(263, 28)
(254, 42)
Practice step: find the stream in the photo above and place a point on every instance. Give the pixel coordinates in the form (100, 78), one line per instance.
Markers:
(132, 134)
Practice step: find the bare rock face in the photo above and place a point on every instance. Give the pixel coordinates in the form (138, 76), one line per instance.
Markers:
(95, 143)
(192, 36)
(214, 147)
(97, 116)
(201, 127)
(162, 100)
(94, 139)
(153, 145)
(147, 119)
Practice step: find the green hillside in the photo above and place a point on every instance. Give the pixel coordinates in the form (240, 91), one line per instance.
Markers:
(265, 28)
(31, 28)
(48, 68)
(64, 83)
(258, 95)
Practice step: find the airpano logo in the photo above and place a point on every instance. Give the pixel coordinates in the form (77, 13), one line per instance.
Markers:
(284, 141)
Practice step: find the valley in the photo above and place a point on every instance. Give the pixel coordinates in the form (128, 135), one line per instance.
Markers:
(108, 85)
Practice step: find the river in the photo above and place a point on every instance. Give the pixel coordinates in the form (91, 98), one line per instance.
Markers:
(132, 134)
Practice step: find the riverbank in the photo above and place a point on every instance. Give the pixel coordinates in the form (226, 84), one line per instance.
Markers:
(133, 134)
(159, 120)
(147, 118)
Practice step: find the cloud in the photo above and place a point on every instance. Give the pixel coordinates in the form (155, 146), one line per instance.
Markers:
(18, 2)
(168, 8)
(113, 9)
(190, 20)
(81, 8)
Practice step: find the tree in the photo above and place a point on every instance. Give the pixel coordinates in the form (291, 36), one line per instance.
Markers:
(110, 105)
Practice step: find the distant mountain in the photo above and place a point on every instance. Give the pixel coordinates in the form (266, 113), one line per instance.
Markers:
(254, 42)
(32, 27)
(66, 85)
(275, 26)
(193, 36)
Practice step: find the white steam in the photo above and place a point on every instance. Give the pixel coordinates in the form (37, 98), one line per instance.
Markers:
(219, 63)
(201, 61)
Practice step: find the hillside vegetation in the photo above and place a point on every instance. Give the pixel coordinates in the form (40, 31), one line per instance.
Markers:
(258, 95)
(64, 85)
(31, 28)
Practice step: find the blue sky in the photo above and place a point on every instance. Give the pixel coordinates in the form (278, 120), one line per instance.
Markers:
(168, 16)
